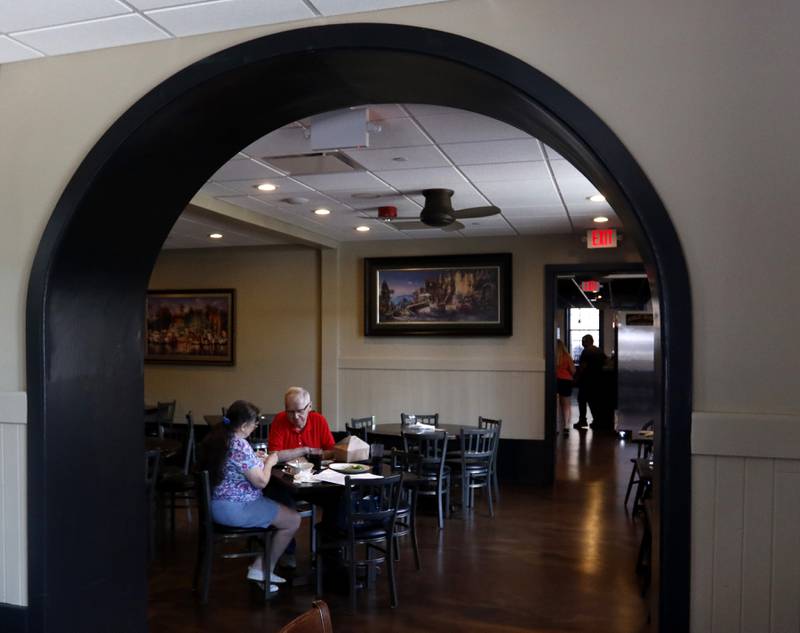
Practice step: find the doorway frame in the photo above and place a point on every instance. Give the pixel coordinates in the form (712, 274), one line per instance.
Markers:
(84, 318)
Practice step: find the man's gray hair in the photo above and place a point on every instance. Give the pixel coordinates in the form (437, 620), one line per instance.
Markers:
(297, 392)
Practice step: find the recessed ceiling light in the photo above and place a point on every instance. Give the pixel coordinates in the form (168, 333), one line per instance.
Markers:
(600, 219)
(295, 200)
(322, 211)
(215, 236)
(266, 186)
(367, 195)
(400, 159)
(598, 197)
(362, 229)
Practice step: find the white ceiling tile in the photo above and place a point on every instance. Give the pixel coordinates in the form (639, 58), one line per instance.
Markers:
(24, 15)
(287, 141)
(338, 7)
(214, 189)
(285, 186)
(418, 110)
(224, 15)
(352, 181)
(386, 159)
(416, 179)
(12, 51)
(84, 36)
(531, 212)
(243, 169)
(506, 172)
(553, 154)
(404, 205)
(147, 5)
(506, 151)
(478, 231)
(458, 126)
(384, 111)
(521, 193)
(246, 202)
(397, 133)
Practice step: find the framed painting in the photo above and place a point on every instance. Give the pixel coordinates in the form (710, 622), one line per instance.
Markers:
(461, 295)
(190, 327)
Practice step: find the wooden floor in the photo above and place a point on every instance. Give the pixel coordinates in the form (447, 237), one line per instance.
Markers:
(552, 560)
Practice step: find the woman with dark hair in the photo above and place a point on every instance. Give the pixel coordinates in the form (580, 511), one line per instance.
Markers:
(238, 476)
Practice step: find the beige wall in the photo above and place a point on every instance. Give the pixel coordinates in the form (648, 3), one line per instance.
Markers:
(277, 327)
(705, 97)
(459, 377)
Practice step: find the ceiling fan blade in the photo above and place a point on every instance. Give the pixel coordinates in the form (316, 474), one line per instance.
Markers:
(454, 226)
(475, 212)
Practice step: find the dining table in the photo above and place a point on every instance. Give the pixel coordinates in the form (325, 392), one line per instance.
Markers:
(396, 430)
(166, 446)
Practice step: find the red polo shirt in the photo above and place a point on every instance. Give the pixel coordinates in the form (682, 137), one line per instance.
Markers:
(315, 434)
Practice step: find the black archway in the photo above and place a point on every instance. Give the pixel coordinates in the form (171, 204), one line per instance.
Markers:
(84, 314)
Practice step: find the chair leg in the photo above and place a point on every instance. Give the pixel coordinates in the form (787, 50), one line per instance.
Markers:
(351, 568)
(630, 485)
(496, 484)
(267, 562)
(209, 556)
(439, 495)
(413, 518)
(318, 564)
(313, 531)
(392, 581)
(489, 494)
(464, 491)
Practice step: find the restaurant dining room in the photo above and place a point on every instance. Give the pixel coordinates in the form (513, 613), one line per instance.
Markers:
(354, 325)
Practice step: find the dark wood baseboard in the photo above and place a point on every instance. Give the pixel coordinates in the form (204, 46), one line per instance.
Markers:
(13, 618)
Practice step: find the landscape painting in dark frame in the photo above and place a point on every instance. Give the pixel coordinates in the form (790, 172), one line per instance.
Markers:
(190, 327)
(461, 295)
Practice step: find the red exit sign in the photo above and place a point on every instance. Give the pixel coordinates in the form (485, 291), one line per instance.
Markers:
(601, 238)
(590, 286)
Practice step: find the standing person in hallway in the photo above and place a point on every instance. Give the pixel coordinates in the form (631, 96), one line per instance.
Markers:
(565, 370)
(589, 377)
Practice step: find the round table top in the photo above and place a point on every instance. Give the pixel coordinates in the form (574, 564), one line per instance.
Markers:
(453, 430)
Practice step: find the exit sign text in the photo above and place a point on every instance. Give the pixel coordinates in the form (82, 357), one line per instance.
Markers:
(601, 238)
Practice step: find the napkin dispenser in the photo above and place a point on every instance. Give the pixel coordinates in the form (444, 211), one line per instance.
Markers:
(351, 449)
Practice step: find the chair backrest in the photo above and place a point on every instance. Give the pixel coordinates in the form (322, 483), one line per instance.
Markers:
(419, 418)
(203, 487)
(496, 425)
(477, 444)
(190, 455)
(316, 620)
(151, 463)
(261, 434)
(426, 453)
(360, 427)
(372, 500)
(165, 414)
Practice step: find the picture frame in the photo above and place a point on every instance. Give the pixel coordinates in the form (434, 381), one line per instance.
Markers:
(441, 295)
(190, 327)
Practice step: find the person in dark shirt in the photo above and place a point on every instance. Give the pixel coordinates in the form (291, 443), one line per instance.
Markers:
(589, 377)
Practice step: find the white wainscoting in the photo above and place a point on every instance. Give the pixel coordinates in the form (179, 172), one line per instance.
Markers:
(459, 391)
(745, 523)
(13, 508)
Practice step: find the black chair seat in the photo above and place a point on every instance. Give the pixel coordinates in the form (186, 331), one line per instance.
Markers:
(176, 481)
(219, 528)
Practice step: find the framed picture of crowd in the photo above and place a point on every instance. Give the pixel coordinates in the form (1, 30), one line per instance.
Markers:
(190, 327)
(461, 295)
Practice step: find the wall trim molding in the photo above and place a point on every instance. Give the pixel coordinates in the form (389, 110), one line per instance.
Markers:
(767, 435)
(13, 407)
(444, 364)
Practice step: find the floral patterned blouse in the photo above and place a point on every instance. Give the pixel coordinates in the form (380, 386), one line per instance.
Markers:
(234, 485)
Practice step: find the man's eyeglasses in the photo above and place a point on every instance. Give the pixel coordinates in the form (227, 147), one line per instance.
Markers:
(297, 412)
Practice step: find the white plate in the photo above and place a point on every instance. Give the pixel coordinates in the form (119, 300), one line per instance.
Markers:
(349, 469)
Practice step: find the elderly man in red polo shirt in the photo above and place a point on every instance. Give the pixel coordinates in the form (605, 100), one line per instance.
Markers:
(298, 431)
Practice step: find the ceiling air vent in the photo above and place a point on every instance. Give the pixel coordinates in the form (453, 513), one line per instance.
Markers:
(317, 163)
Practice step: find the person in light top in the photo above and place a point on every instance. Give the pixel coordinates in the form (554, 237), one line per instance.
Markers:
(238, 477)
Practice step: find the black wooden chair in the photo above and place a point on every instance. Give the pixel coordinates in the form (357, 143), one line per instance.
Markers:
(489, 423)
(370, 513)
(634, 479)
(165, 415)
(419, 418)
(474, 466)
(360, 427)
(425, 455)
(261, 434)
(210, 534)
(152, 460)
(176, 485)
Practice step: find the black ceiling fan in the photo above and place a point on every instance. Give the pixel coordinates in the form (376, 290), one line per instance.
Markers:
(438, 213)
